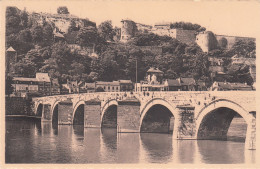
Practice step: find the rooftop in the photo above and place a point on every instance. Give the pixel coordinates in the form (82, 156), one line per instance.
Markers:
(11, 49)
(187, 81)
(43, 77)
(107, 83)
(233, 86)
(25, 79)
(125, 81)
(173, 82)
(153, 70)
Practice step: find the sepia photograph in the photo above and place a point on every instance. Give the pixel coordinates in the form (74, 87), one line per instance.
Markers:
(129, 82)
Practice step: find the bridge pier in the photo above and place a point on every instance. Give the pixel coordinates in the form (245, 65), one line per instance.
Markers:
(128, 117)
(250, 142)
(46, 113)
(65, 111)
(92, 114)
(184, 124)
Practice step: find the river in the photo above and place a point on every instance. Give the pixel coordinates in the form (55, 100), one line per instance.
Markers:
(30, 141)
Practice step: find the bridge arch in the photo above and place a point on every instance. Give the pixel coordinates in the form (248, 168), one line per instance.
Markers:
(39, 109)
(157, 103)
(219, 123)
(54, 112)
(109, 114)
(78, 112)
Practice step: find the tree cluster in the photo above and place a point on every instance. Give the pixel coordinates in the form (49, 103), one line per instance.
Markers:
(187, 26)
(39, 52)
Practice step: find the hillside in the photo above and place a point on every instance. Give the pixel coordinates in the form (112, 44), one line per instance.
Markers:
(71, 48)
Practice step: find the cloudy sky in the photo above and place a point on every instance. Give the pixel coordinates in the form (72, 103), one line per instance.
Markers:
(238, 18)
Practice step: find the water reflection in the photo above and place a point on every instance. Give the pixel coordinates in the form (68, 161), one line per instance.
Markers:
(213, 151)
(128, 147)
(158, 147)
(29, 141)
(108, 145)
(185, 151)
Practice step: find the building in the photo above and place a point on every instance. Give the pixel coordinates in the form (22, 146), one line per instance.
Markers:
(55, 87)
(252, 71)
(108, 86)
(22, 86)
(152, 82)
(154, 76)
(44, 84)
(172, 85)
(126, 85)
(188, 84)
(239, 60)
(91, 87)
(225, 86)
(11, 58)
(65, 89)
(184, 84)
(38, 86)
(216, 64)
(201, 85)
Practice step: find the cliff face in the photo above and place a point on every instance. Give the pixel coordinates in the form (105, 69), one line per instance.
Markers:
(61, 22)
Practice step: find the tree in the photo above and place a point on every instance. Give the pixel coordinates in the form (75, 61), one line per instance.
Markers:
(35, 57)
(25, 36)
(62, 10)
(87, 36)
(244, 49)
(149, 39)
(12, 20)
(24, 19)
(47, 34)
(25, 68)
(37, 34)
(76, 71)
(106, 31)
(73, 26)
(93, 76)
(240, 73)
(130, 70)
(187, 26)
(8, 85)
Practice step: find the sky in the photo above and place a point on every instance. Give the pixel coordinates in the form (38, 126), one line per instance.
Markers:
(234, 18)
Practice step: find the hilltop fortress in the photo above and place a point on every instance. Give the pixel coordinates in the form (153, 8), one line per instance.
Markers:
(206, 39)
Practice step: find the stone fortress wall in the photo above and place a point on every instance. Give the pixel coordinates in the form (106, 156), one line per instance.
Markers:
(232, 39)
(128, 30)
(206, 40)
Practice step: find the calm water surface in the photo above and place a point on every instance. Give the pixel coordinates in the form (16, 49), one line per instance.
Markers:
(28, 141)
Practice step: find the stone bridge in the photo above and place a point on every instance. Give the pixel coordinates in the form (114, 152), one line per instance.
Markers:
(186, 114)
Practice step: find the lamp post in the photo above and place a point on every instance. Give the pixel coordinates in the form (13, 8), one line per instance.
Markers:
(136, 73)
(136, 69)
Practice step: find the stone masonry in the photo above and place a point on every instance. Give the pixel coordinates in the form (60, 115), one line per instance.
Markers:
(186, 114)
